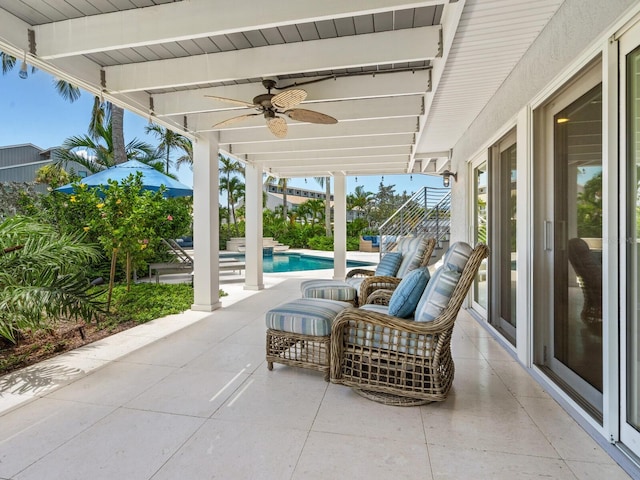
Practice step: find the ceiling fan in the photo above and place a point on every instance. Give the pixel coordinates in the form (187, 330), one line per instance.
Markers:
(271, 106)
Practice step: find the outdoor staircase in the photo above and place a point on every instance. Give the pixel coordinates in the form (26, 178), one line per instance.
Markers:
(427, 212)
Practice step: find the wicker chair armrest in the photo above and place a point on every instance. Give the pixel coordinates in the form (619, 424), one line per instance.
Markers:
(380, 297)
(373, 283)
(368, 317)
(360, 272)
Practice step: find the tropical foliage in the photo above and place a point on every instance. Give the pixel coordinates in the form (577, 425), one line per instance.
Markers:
(42, 276)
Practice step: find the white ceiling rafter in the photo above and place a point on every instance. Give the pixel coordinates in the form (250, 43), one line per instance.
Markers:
(287, 158)
(195, 19)
(319, 144)
(395, 46)
(332, 89)
(300, 131)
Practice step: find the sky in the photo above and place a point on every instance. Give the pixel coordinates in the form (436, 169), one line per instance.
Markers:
(32, 111)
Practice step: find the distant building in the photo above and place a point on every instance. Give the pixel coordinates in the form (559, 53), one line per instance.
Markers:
(20, 163)
(296, 196)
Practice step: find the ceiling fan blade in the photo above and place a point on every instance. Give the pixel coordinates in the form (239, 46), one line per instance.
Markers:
(232, 120)
(241, 103)
(288, 98)
(278, 126)
(310, 116)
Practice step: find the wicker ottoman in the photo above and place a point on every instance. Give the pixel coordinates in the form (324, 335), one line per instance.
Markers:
(299, 333)
(329, 290)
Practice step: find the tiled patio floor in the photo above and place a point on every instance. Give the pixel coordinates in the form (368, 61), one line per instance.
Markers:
(200, 403)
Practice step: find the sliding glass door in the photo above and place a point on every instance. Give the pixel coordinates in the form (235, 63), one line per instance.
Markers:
(569, 267)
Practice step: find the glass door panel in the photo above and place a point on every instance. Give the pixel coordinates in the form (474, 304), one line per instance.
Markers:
(504, 241)
(480, 233)
(577, 247)
(630, 416)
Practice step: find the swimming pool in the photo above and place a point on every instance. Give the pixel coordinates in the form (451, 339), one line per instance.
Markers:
(294, 262)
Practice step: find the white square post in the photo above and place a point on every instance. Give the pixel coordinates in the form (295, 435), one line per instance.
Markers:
(253, 231)
(206, 228)
(339, 226)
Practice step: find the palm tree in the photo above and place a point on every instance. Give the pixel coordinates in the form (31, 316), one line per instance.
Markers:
(95, 153)
(312, 209)
(236, 191)
(326, 182)
(185, 145)
(168, 141)
(42, 276)
(229, 168)
(100, 111)
(65, 89)
(360, 199)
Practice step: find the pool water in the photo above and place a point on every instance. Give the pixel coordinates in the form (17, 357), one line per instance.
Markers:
(296, 262)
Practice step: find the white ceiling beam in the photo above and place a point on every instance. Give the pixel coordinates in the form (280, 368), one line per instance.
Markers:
(344, 110)
(323, 171)
(301, 131)
(339, 163)
(412, 44)
(346, 88)
(312, 145)
(179, 21)
(429, 155)
(14, 38)
(328, 155)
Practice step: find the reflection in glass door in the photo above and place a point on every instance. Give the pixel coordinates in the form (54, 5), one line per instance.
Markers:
(480, 234)
(573, 243)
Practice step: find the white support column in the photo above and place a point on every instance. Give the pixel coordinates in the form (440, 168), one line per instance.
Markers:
(339, 226)
(253, 278)
(206, 283)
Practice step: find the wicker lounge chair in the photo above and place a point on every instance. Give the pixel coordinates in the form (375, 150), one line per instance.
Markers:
(360, 283)
(401, 361)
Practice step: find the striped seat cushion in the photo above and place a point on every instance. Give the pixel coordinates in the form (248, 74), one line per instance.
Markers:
(329, 289)
(306, 316)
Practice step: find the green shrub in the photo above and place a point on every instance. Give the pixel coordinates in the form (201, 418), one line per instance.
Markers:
(321, 242)
(148, 301)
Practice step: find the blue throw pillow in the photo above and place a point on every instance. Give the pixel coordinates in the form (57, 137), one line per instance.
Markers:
(407, 294)
(388, 266)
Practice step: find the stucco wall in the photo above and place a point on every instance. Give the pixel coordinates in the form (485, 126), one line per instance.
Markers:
(573, 29)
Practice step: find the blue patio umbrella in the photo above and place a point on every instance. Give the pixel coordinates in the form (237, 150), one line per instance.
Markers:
(152, 179)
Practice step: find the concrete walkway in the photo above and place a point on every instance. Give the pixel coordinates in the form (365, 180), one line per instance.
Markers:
(189, 397)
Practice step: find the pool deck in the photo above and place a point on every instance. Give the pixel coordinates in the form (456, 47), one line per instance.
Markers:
(189, 396)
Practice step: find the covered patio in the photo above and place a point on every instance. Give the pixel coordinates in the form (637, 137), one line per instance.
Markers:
(190, 396)
(419, 88)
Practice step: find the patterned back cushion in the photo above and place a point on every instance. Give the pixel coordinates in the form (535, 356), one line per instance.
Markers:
(457, 256)
(407, 294)
(412, 249)
(437, 294)
(388, 266)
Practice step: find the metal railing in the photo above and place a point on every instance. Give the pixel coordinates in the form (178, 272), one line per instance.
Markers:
(427, 212)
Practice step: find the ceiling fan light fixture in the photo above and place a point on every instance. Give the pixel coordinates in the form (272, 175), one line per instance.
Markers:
(277, 126)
